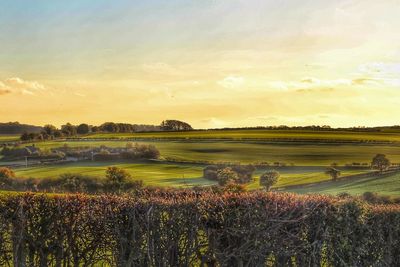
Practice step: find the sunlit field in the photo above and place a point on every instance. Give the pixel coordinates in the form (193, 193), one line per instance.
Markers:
(302, 154)
(177, 175)
(8, 138)
(389, 135)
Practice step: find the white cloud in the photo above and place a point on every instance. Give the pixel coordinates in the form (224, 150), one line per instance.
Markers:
(18, 85)
(380, 69)
(379, 73)
(232, 82)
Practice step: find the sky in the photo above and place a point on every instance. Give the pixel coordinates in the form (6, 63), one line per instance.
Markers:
(212, 63)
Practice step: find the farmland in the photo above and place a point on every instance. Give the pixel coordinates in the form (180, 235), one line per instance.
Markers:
(170, 174)
(8, 138)
(302, 154)
(387, 185)
(305, 154)
(389, 135)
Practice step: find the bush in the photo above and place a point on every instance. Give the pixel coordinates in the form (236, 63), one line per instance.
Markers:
(116, 179)
(268, 179)
(6, 177)
(244, 173)
(196, 228)
(226, 176)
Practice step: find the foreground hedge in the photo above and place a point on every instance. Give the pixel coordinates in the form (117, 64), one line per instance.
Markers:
(185, 228)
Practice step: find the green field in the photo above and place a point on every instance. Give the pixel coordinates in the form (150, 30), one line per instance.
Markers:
(152, 173)
(306, 153)
(168, 174)
(329, 136)
(8, 138)
(389, 185)
(301, 154)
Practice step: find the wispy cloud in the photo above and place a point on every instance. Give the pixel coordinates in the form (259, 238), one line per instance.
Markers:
(309, 84)
(232, 82)
(160, 68)
(18, 85)
(379, 73)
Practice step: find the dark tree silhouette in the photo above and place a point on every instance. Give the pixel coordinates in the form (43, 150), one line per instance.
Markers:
(380, 162)
(268, 179)
(175, 125)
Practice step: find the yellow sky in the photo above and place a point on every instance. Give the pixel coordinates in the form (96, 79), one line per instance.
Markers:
(211, 63)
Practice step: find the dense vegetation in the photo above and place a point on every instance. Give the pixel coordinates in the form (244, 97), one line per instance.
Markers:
(115, 180)
(49, 132)
(18, 128)
(196, 228)
(233, 173)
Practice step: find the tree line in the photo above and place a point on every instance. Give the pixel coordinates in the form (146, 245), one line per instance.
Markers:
(18, 128)
(49, 131)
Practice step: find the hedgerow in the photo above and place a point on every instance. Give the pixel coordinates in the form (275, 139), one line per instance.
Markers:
(196, 228)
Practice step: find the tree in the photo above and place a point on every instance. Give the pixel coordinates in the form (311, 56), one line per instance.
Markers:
(68, 129)
(58, 134)
(333, 173)
(25, 137)
(6, 173)
(72, 182)
(380, 162)
(268, 179)
(83, 128)
(175, 125)
(116, 178)
(49, 129)
(226, 176)
(6, 176)
(110, 127)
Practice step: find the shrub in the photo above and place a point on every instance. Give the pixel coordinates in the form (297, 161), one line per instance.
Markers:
(6, 173)
(234, 188)
(268, 179)
(244, 173)
(226, 175)
(116, 179)
(6, 177)
(196, 228)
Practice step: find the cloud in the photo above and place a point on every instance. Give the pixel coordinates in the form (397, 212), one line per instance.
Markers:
(215, 122)
(4, 91)
(160, 68)
(79, 94)
(18, 85)
(378, 73)
(380, 68)
(365, 81)
(309, 84)
(322, 90)
(232, 82)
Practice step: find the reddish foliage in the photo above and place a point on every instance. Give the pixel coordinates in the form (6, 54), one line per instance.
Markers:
(186, 228)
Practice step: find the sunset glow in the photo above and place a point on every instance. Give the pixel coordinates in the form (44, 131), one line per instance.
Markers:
(212, 63)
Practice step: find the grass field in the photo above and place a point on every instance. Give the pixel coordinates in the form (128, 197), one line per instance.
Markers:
(333, 136)
(168, 174)
(308, 151)
(8, 138)
(389, 185)
(250, 152)
(160, 174)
